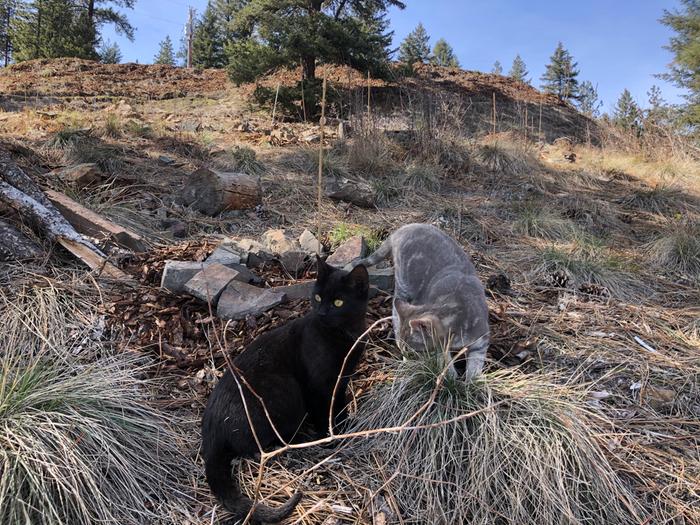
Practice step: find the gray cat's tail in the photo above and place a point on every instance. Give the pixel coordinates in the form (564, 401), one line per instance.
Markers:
(379, 255)
(218, 471)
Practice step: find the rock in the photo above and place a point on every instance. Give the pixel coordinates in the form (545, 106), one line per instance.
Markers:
(358, 193)
(498, 282)
(249, 245)
(244, 127)
(189, 126)
(382, 278)
(224, 254)
(309, 243)
(276, 242)
(310, 137)
(297, 291)
(293, 261)
(240, 300)
(208, 284)
(245, 275)
(177, 273)
(164, 160)
(352, 249)
(178, 229)
(80, 175)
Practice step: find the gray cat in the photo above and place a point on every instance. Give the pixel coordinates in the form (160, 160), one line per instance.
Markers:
(437, 293)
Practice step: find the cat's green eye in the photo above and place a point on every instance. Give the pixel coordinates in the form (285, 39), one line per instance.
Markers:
(338, 303)
(318, 298)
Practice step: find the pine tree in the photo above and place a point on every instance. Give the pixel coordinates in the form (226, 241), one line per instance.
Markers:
(560, 75)
(207, 42)
(518, 70)
(50, 29)
(226, 11)
(684, 71)
(444, 55)
(415, 47)
(627, 114)
(658, 113)
(588, 101)
(110, 53)
(497, 68)
(273, 33)
(65, 28)
(7, 13)
(166, 54)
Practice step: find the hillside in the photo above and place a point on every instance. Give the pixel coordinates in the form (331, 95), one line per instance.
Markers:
(588, 248)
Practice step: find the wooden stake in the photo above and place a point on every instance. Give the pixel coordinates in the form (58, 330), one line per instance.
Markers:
(539, 129)
(322, 123)
(274, 107)
(494, 113)
(369, 91)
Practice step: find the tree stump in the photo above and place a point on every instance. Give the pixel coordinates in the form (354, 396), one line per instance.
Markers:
(212, 192)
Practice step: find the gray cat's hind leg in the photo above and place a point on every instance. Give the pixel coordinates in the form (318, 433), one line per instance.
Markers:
(476, 357)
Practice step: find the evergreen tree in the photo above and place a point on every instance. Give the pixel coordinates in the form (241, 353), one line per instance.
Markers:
(7, 13)
(226, 11)
(50, 29)
(684, 71)
(588, 101)
(627, 114)
(110, 53)
(65, 28)
(166, 54)
(658, 112)
(518, 70)
(444, 55)
(415, 47)
(207, 42)
(273, 33)
(497, 68)
(560, 75)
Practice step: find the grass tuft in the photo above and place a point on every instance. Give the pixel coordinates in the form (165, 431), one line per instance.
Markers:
(529, 454)
(80, 442)
(659, 199)
(113, 126)
(239, 159)
(536, 220)
(678, 250)
(421, 177)
(344, 231)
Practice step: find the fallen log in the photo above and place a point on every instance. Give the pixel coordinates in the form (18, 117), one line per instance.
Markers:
(212, 192)
(15, 246)
(22, 194)
(90, 223)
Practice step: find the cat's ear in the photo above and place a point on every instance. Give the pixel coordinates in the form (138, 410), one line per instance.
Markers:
(427, 323)
(359, 279)
(322, 269)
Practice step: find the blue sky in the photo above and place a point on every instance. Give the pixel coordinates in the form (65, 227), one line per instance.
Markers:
(617, 43)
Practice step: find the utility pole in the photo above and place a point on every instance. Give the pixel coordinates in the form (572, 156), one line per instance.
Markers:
(190, 36)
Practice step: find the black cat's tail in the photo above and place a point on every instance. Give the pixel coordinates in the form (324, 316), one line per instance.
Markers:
(217, 467)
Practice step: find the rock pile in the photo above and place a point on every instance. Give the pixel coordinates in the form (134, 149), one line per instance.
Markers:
(227, 282)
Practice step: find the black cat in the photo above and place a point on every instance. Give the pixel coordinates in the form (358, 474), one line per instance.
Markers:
(293, 369)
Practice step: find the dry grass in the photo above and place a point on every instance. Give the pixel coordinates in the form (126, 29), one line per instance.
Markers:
(677, 250)
(536, 219)
(240, 159)
(586, 261)
(531, 453)
(81, 444)
(502, 159)
(660, 199)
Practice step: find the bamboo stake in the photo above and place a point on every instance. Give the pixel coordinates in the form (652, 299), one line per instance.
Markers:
(322, 123)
